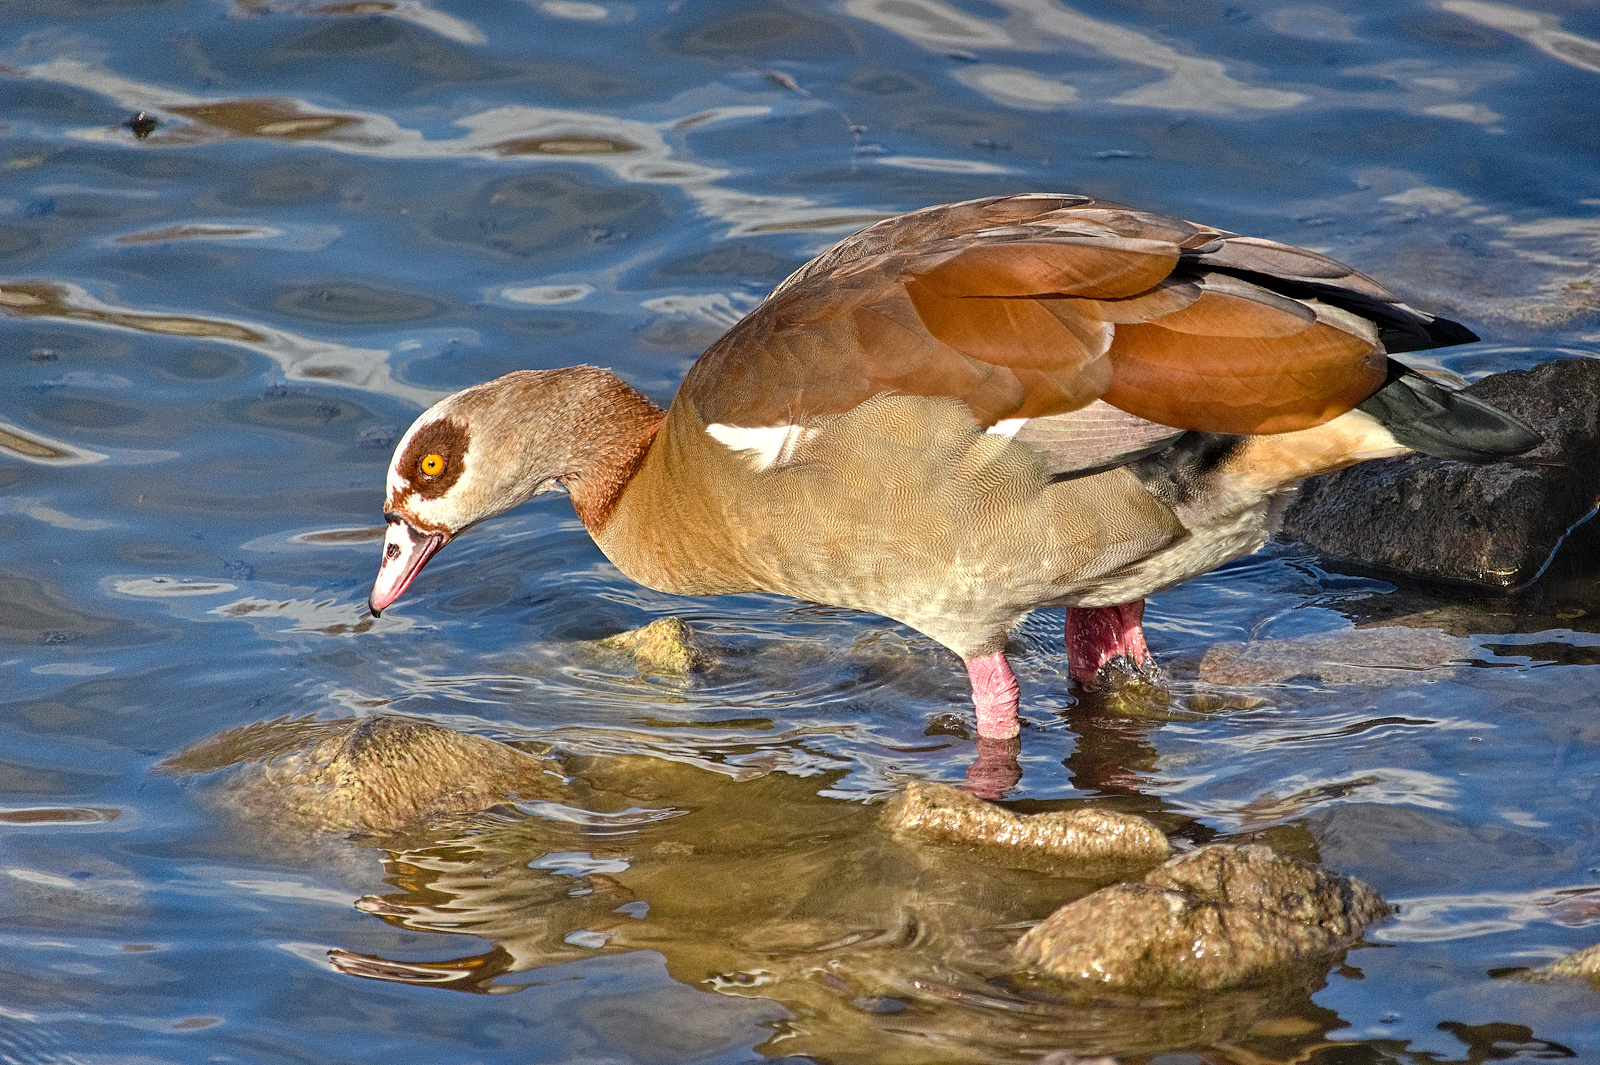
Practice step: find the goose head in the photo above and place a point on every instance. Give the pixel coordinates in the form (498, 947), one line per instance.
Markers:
(487, 449)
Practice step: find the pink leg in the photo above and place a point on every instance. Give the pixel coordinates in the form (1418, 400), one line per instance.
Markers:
(994, 695)
(1097, 636)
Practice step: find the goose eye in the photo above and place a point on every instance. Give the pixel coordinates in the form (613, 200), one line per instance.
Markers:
(432, 465)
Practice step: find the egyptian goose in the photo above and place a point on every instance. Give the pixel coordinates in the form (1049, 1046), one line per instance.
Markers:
(964, 413)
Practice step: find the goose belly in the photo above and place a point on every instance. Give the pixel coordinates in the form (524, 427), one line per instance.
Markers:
(1213, 539)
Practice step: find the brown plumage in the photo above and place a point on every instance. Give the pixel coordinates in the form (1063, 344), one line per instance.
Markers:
(964, 413)
(1005, 305)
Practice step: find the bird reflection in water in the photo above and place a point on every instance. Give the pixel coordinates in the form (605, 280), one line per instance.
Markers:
(850, 943)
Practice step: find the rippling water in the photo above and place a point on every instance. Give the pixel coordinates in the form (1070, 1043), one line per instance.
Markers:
(214, 334)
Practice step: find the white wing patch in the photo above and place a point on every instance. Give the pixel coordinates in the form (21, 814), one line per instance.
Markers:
(765, 446)
(1007, 427)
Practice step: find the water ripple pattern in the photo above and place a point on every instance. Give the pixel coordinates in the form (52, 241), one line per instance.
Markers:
(244, 242)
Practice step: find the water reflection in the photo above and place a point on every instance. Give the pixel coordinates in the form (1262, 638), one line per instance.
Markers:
(1442, 917)
(1542, 31)
(31, 446)
(1192, 83)
(873, 948)
(634, 151)
(877, 949)
(1114, 753)
(300, 238)
(53, 816)
(301, 359)
(413, 11)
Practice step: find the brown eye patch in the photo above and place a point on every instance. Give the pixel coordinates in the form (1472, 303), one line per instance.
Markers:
(432, 460)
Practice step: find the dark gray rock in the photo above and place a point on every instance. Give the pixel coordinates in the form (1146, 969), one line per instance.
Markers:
(1219, 917)
(1495, 525)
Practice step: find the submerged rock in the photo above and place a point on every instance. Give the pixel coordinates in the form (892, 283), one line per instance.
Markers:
(666, 645)
(939, 813)
(1582, 965)
(377, 775)
(1496, 524)
(1219, 917)
(1585, 963)
(757, 886)
(1372, 657)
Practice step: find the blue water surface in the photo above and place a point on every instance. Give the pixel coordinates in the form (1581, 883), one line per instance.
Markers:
(214, 334)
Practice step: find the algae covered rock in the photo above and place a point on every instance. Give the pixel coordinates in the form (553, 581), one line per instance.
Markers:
(865, 926)
(1215, 918)
(665, 646)
(938, 813)
(1582, 965)
(377, 775)
(1585, 964)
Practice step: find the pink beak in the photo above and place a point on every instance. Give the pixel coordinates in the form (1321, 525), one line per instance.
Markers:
(406, 549)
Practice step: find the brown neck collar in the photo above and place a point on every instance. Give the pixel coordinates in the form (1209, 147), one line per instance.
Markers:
(610, 444)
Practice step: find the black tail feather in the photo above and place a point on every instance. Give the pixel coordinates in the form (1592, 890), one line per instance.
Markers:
(1445, 423)
(1400, 328)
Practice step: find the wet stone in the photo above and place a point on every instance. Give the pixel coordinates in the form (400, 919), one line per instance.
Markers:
(1219, 917)
(817, 910)
(1495, 524)
(376, 775)
(666, 646)
(1581, 965)
(1389, 654)
(938, 813)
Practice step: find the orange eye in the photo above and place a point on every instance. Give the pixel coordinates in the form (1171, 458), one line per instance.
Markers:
(432, 465)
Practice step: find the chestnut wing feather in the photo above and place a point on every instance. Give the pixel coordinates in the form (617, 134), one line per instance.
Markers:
(1036, 306)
